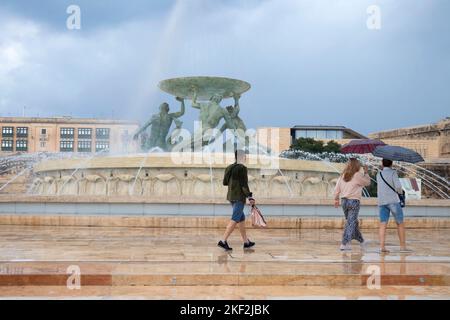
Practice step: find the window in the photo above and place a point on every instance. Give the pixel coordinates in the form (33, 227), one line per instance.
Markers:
(8, 131)
(43, 137)
(300, 134)
(22, 132)
(21, 145)
(331, 134)
(43, 144)
(66, 146)
(311, 134)
(7, 145)
(84, 146)
(102, 133)
(321, 134)
(84, 133)
(101, 146)
(67, 132)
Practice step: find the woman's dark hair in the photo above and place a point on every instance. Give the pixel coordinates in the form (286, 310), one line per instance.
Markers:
(387, 163)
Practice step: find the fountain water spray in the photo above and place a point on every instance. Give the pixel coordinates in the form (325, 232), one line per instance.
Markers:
(152, 150)
(83, 164)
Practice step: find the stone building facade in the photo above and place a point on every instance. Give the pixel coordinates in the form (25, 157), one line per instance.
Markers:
(432, 141)
(64, 134)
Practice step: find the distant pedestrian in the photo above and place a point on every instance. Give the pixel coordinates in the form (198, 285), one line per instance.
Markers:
(389, 188)
(349, 190)
(236, 178)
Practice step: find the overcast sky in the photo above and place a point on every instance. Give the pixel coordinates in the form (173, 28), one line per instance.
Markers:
(308, 61)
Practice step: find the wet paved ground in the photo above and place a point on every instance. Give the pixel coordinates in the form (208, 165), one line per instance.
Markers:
(178, 263)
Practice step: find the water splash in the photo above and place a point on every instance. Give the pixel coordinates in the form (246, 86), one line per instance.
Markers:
(404, 169)
(82, 165)
(14, 178)
(144, 160)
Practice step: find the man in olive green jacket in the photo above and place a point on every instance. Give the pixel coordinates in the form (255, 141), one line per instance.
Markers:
(236, 178)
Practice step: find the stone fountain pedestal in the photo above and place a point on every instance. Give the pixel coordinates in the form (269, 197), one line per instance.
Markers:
(159, 175)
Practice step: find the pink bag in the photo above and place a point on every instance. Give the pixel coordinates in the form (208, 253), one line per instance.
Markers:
(257, 218)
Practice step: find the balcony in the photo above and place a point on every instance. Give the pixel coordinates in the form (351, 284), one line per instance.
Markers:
(7, 132)
(22, 145)
(102, 133)
(7, 145)
(22, 132)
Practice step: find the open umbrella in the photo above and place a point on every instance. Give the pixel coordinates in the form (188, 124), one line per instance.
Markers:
(396, 153)
(361, 146)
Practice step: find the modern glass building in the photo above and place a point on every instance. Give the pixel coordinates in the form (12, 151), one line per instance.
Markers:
(324, 133)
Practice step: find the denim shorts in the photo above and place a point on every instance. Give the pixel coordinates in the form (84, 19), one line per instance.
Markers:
(238, 211)
(396, 210)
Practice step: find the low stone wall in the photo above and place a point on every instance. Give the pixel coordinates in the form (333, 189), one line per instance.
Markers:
(187, 206)
(209, 222)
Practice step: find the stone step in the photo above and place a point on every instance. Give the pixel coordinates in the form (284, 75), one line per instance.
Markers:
(203, 222)
(227, 292)
(209, 273)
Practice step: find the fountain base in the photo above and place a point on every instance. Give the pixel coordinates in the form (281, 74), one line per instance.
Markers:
(160, 175)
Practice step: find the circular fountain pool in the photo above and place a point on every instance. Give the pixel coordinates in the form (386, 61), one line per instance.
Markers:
(159, 175)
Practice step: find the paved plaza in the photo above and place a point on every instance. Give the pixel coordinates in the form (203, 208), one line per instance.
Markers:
(185, 263)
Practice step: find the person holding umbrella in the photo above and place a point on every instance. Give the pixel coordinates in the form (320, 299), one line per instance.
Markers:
(349, 187)
(389, 188)
(349, 190)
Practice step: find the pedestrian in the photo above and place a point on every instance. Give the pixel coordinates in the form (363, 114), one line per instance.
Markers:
(236, 178)
(389, 188)
(349, 190)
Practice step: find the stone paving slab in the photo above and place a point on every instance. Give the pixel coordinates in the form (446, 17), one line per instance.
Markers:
(176, 257)
(227, 293)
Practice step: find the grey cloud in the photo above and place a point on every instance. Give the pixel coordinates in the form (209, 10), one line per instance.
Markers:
(312, 62)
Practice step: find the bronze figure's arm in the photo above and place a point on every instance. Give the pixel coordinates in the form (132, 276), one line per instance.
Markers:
(183, 108)
(143, 128)
(195, 104)
(236, 108)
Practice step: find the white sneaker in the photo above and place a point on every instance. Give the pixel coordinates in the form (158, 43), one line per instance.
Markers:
(345, 247)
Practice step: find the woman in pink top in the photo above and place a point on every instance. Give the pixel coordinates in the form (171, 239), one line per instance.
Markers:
(349, 189)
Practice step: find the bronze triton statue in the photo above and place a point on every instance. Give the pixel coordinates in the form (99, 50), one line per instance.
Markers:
(160, 125)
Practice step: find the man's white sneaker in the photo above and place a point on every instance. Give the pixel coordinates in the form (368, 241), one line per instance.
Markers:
(345, 247)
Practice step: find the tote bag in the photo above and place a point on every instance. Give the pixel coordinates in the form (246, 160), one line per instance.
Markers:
(257, 218)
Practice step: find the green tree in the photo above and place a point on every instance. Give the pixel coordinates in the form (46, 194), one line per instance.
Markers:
(332, 146)
(308, 145)
(315, 146)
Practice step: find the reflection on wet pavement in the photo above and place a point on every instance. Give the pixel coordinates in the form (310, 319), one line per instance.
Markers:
(158, 257)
